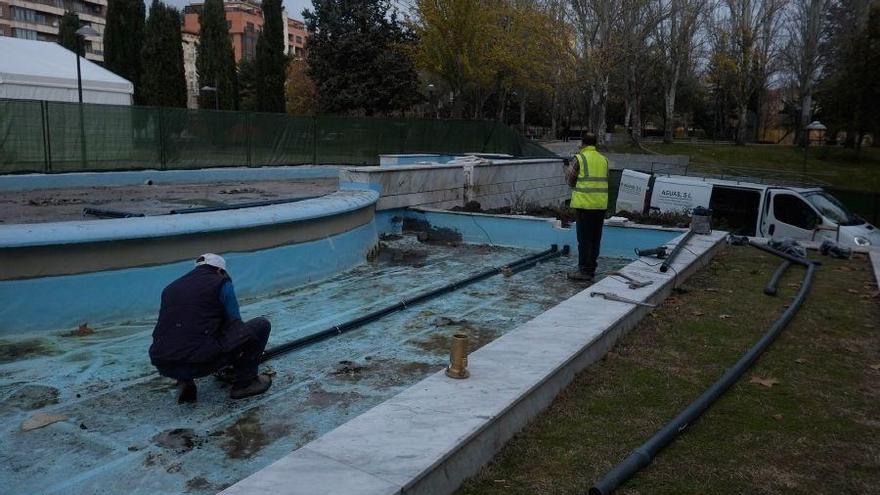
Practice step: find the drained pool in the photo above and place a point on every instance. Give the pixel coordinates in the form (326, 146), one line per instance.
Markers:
(119, 428)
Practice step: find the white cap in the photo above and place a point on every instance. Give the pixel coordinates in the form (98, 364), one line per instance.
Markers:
(211, 259)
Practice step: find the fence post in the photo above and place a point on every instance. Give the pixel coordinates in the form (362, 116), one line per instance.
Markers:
(163, 157)
(315, 140)
(247, 134)
(45, 125)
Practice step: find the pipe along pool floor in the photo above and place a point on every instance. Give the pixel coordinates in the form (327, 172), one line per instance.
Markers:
(124, 432)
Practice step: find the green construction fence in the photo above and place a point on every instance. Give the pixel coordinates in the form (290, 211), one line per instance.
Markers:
(43, 136)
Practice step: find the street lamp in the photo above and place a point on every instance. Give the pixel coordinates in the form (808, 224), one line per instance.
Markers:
(814, 126)
(216, 98)
(431, 97)
(81, 34)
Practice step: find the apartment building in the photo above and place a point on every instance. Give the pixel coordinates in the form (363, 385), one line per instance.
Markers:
(245, 21)
(39, 20)
(295, 34)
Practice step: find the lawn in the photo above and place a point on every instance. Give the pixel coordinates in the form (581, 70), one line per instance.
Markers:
(816, 430)
(839, 167)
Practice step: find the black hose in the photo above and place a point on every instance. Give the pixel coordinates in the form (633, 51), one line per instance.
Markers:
(517, 266)
(644, 454)
(102, 213)
(773, 284)
(239, 206)
(675, 251)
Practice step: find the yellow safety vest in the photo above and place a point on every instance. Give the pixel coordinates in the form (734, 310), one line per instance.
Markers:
(591, 190)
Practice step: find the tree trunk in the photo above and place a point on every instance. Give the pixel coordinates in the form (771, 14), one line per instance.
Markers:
(806, 107)
(669, 113)
(522, 112)
(742, 124)
(636, 120)
(599, 100)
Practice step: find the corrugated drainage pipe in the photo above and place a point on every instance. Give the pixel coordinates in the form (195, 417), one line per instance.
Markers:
(517, 266)
(644, 454)
(773, 284)
(675, 251)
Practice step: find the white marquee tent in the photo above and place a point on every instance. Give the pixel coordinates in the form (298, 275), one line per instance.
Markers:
(40, 70)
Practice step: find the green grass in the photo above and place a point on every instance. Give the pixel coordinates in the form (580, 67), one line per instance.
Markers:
(817, 431)
(839, 167)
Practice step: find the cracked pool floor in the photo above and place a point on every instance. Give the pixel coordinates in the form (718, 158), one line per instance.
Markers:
(123, 431)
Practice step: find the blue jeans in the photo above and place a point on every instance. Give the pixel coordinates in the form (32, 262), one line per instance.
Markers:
(247, 342)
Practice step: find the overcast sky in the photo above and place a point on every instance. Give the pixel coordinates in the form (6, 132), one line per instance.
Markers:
(294, 7)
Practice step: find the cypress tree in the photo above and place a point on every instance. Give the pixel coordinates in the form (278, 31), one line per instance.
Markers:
(67, 32)
(215, 60)
(163, 81)
(124, 40)
(271, 63)
(357, 57)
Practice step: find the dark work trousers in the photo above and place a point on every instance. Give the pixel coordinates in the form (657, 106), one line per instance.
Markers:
(246, 342)
(589, 235)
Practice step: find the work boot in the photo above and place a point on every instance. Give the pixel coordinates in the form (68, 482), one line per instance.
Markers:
(256, 387)
(580, 276)
(187, 391)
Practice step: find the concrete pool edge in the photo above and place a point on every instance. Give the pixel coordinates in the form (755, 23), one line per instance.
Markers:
(437, 433)
(24, 182)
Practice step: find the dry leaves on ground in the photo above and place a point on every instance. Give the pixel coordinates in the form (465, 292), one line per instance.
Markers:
(767, 382)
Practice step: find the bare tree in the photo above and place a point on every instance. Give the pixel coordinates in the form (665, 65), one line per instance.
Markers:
(752, 26)
(596, 23)
(639, 18)
(675, 37)
(806, 23)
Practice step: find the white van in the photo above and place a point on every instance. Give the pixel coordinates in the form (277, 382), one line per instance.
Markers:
(745, 208)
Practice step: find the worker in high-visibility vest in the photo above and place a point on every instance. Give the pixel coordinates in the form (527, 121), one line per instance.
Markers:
(588, 179)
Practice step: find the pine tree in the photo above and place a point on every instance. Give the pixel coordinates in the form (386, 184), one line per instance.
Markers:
(215, 60)
(163, 82)
(124, 40)
(67, 32)
(271, 63)
(357, 59)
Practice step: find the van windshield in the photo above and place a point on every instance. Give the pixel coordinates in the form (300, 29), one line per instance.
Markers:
(832, 209)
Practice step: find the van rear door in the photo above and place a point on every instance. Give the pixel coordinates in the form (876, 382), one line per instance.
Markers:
(679, 195)
(787, 214)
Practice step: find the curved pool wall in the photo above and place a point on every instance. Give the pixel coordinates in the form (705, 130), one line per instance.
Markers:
(57, 276)
(525, 231)
(27, 182)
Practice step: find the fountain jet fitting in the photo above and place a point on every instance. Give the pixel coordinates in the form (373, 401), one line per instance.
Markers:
(458, 357)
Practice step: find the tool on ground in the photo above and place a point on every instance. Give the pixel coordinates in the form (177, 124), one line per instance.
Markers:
(659, 252)
(614, 297)
(632, 283)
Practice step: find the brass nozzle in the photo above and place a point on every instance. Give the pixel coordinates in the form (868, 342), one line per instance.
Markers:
(458, 357)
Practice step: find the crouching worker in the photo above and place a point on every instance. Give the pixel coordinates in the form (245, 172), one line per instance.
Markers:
(200, 331)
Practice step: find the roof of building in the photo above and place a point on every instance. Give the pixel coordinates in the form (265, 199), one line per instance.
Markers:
(50, 65)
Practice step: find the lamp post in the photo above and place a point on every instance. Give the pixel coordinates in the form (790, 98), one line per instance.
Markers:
(431, 97)
(81, 34)
(814, 126)
(216, 97)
